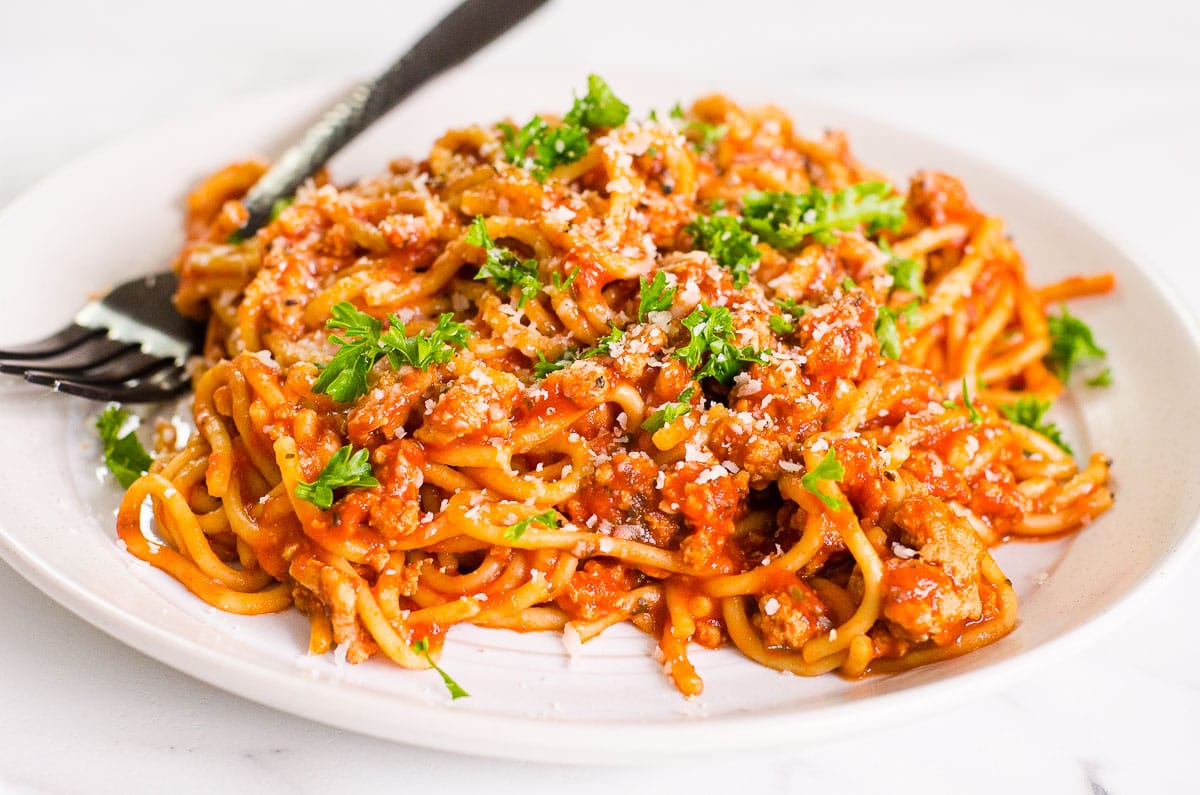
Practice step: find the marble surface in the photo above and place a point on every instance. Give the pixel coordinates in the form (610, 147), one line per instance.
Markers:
(1096, 101)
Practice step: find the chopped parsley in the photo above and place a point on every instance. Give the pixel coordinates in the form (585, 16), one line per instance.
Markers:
(345, 377)
(124, 455)
(780, 324)
(669, 412)
(502, 267)
(567, 142)
(829, 469)
(712, 345)
(656, 295)
(543, 368)
(546, 519)
(362, 343)
(1102, 378)
(1071, 342)
(887, 332)
(906, 275)
(424, 348)
(1028, 411)
(785, 219)
(599, 107)
(561, 283)
(346, 468)
(723, 237)
(972, 412)
(421, 647)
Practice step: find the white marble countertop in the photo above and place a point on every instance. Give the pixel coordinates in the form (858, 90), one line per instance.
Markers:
(1097, 101)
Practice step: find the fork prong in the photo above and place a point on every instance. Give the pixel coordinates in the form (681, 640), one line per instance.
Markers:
(89, 353)
(133, 364)
(56, 343)
(163, 385)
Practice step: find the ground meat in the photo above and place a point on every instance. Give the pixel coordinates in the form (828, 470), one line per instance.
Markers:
(791, 617)
(935, 594)
(622, 493)
(838, 338)
(384, 410)
(478, 402)
(596, 589)
(938, 199)
(394, 507)
(710, 500)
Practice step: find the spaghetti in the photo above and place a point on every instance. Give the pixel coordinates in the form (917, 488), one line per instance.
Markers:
(701, 374)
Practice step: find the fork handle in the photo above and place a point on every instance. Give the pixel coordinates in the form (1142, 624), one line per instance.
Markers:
(470, 27)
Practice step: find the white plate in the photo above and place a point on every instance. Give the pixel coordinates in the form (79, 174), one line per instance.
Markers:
(116, 213)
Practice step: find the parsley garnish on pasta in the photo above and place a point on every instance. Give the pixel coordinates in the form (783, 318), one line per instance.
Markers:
(1028, 411)
(1071, 342)
(728, 243)
(421, 647)
(712, 347)
(346, 468)
(785, 219)
(124, 455)
(829, 468)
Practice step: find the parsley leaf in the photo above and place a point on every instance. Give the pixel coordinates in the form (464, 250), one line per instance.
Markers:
(567, 142)
(421, 647)
(1028, 411)
(279, 205)
(906, 275)
(345, 468)
(1102, 378)
(784, 219)
(345, 377)
(780, 324)
(504, 268)
(546, 519)
(829, 469)
(543, 368)
(669, 412)
(730, 245)
(604, 344)
(424, 348)
(598, 108)
(972, 412)
(656, 295)
(123, 454)
(1070, 343)
(886, 333)
(712, 342)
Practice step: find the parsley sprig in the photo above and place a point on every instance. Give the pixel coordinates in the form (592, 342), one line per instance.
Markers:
(785, 219)
(887, 333)
(712, 346)
(656, 295)
(1028, 411)
(669, 412)
(346, 468)
(421, 647)
(502, 266)
(124, 455)
(1071, 342)
(545, 519)
(829, 469)
(723, 237)
(906, 275)
(567, 142)
(785, 323)
(362, 343)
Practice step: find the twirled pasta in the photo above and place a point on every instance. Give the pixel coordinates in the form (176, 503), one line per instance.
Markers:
(705, 530)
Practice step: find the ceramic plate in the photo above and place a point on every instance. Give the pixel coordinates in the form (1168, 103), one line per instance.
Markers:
(116, 213)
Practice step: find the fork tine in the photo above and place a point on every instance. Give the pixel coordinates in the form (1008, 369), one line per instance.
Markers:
(133, 364)
(168, 383)
(58, 342)
(89, 353)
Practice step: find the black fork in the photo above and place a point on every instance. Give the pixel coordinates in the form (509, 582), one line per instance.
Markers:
(132, 346)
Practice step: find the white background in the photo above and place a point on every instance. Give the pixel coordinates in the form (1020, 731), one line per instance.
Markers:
(1099, 102)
